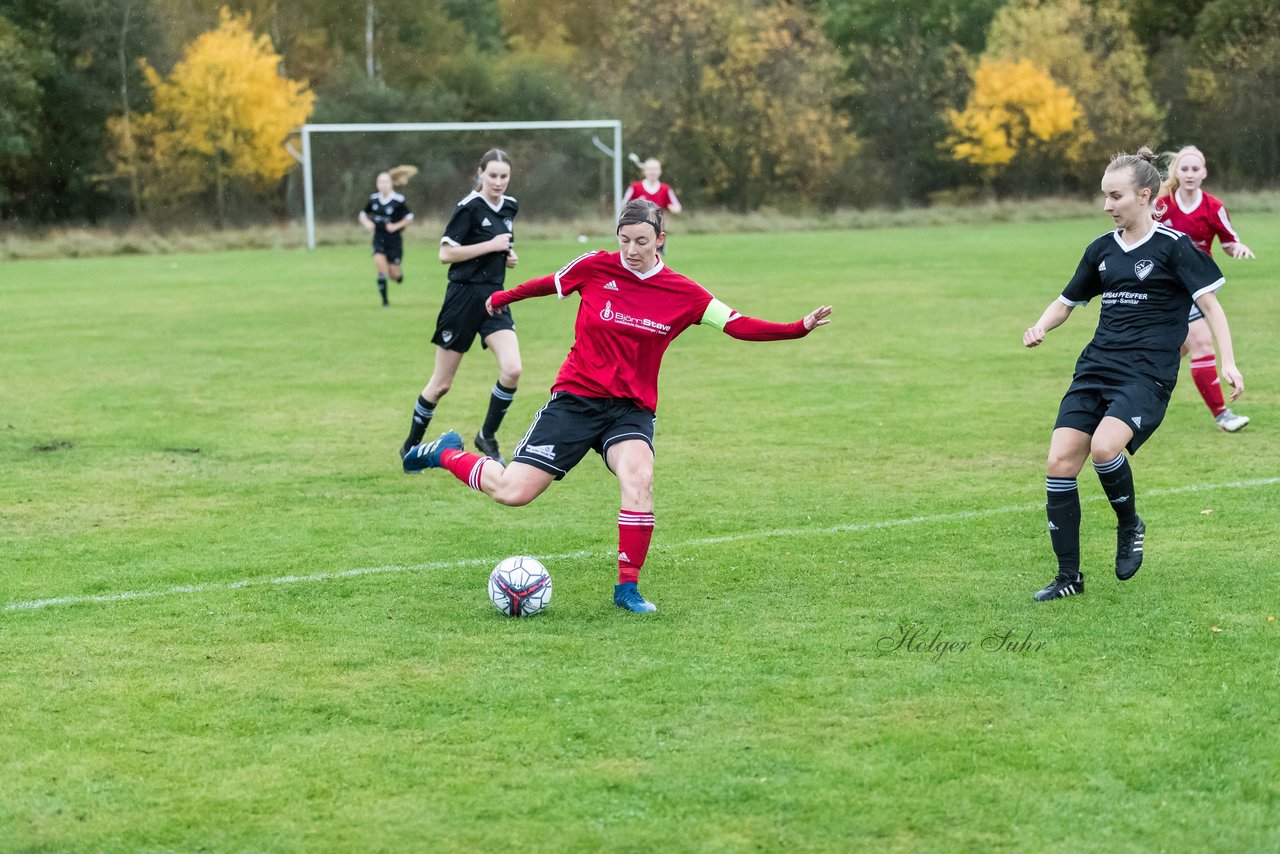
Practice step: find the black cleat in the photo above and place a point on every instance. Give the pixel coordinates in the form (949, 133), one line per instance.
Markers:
(1063, 585)
(488, 445)
(1129, 550)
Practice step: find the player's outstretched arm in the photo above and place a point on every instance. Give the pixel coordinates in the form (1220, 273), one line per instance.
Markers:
(1054, 316)
(753, 329)
(1238, 250)
(542, 286)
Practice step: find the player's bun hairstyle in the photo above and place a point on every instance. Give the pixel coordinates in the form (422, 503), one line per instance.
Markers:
(641, 210)
(400, 175)
(1146, 174)
(1173, 159)
(494, 154)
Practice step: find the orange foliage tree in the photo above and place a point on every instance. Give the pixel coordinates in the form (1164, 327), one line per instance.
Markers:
(223, 114)
(1015, 107)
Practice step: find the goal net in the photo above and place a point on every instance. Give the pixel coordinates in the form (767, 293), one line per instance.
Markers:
(560, 169)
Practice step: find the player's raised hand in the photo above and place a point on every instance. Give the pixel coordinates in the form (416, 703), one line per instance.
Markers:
(817, 317)
(1033, 336)
(1239, 250)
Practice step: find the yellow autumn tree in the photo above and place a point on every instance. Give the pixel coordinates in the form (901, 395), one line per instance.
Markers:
(1015, 107)
(222, 115)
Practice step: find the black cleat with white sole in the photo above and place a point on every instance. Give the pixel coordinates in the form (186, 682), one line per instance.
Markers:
(1063, 585)
(1129, 550)
(488, 445)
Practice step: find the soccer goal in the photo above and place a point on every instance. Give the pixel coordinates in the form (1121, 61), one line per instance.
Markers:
(309, 199)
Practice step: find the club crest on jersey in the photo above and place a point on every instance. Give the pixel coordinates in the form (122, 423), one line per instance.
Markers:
(507, 223)
(607, 314)
(1143, 268)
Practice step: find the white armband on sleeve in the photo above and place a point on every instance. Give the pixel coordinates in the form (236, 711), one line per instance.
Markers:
(717, 314)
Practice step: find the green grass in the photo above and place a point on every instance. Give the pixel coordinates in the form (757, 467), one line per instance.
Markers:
(215, 435)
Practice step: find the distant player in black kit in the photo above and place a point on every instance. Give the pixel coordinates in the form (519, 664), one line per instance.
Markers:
(1148, 276)
(477, 246)
(386, 215)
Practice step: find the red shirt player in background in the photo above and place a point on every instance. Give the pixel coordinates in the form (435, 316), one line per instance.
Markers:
(1190, 210)
(654, 190)
(631, 307)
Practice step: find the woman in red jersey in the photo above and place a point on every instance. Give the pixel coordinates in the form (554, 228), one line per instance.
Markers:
(1186, 208)
(654, 190)
(632, 306)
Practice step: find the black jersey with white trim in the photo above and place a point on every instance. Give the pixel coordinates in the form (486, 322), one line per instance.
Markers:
(474, 221)
(1147, 290)
(382, 211)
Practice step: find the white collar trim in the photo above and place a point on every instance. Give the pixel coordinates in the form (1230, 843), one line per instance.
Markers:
(642, 276)
(1129, 247)
(1186, 209)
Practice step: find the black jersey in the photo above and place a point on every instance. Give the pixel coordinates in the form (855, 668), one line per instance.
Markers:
(1147, 291)
(474, 221)
(382, 211)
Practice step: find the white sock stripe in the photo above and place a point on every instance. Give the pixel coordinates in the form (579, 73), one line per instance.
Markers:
(477, 470)
(611, 554)
(1110, 465)
(425, 413)
(502, 395)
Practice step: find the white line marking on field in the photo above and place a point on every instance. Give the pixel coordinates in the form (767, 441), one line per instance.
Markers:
(852, 527)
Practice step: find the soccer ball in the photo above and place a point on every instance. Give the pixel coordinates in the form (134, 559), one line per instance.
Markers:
(520, 586)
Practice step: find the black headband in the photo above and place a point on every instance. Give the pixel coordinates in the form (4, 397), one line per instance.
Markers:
(657, 229)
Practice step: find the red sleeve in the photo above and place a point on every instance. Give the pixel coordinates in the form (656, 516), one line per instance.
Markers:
(753, 329)
(540, 287)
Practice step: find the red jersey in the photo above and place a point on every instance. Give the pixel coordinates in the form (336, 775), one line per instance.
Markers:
(1202, 222)
(661, 197)
(625, 323)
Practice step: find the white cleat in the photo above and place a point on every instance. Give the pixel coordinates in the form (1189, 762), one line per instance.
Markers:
(1230, 422)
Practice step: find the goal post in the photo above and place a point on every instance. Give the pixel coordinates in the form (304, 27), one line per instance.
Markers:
(308, 188)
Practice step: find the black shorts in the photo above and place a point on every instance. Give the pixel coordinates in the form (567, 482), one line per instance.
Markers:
(569, 425)
(1139, 403)
(390, 245)
(462, 317)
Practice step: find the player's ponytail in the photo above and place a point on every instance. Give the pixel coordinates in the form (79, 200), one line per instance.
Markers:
(1143, 168)
(400, 175)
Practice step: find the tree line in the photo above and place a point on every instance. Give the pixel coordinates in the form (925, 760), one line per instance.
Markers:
(119, 108)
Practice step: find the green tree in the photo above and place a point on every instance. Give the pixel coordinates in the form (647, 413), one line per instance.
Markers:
(736, 97)
(20, 102)
(907, 62)
(1234, 82)
(223, 114)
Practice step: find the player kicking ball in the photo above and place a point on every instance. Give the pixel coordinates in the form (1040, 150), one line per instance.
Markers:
(1148, 277)
(631, 307)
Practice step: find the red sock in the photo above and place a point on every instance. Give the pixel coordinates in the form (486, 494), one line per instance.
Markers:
(1204, 371)
(635, 530)
(465, 466)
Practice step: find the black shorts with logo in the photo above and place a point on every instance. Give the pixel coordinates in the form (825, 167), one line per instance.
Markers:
(391, 245)
(463, 317)
(1140, 403)
(570, 425)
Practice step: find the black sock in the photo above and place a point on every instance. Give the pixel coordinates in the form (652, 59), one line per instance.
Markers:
(382, 288)
(1063, 510)
(499, 401)
(1117, 482)
(422, 412)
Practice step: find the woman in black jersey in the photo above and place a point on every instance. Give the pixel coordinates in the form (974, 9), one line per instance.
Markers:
(1148, 277)
(477, 246)
(384, 216)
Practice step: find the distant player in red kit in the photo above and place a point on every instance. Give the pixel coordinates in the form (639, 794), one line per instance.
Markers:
(654, 190)
(631, 307)
(1195, 213)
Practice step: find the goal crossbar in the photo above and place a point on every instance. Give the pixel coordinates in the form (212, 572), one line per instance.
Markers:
(390, 127)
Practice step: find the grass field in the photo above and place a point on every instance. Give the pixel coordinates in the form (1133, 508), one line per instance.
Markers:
(228, 622)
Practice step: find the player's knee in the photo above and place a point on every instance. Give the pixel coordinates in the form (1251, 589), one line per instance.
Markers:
(1105, 449)
(1061, 464)
(437, 389)
(509, 375)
